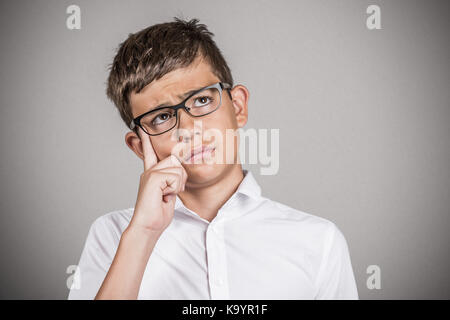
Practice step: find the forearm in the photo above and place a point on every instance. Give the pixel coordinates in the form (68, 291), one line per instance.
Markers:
(125, 273)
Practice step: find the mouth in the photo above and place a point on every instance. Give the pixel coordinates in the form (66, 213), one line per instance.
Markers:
(199, 153)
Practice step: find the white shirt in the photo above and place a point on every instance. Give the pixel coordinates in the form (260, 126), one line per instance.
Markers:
(255, 248)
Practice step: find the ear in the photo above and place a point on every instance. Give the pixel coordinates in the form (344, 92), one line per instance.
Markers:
(240, 96)
(133, 141)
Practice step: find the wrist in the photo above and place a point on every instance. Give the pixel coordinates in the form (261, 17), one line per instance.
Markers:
(136, 229)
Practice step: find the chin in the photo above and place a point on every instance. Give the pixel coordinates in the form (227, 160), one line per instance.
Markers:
(204, 173)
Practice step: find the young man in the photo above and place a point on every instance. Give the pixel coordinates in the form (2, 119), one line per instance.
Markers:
(199, 229)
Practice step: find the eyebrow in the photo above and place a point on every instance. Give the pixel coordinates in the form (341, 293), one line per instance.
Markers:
(180, 96)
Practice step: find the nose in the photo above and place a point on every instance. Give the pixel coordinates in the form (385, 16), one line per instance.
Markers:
(188, 127)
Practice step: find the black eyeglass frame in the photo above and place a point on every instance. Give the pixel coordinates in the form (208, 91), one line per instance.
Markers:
(219, 85)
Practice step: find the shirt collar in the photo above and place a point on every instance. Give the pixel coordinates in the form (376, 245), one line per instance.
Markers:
(248, 186)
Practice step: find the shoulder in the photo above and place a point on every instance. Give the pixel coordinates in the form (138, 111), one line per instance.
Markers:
(279, 211)
(111, 224)
(313, 231)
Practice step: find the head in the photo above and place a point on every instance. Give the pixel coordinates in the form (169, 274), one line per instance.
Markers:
(158, 65)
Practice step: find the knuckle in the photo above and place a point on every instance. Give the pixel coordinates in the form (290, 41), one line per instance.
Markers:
(179, 170)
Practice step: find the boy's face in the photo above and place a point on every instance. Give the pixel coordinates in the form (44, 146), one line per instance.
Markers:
(191, 132)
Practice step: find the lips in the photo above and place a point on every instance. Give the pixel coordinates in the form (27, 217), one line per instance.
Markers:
(197, 151)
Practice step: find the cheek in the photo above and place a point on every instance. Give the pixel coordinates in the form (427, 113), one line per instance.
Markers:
(227, 142)
(224, 118)
(218, 125)
(163, 146)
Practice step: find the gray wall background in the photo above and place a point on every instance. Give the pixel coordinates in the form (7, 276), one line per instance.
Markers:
(363, 118)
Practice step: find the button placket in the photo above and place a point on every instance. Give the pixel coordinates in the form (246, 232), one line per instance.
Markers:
(216, 261)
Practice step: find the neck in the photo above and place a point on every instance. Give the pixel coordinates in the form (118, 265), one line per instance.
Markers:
(206, 201)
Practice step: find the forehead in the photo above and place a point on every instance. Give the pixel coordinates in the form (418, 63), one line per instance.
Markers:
(177, 82)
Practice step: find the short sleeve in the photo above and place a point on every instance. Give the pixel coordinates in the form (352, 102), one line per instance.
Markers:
(97, 255)
(335, 278)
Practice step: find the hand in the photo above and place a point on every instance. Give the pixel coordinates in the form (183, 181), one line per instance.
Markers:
(159, 184)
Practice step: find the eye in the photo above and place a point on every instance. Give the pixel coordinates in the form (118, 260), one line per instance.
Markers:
(161, 118)
(203, 101)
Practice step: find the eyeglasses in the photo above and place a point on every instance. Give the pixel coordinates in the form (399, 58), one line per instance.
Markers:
(198, 104)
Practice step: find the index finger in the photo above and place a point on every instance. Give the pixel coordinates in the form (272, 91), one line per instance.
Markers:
(150, 158)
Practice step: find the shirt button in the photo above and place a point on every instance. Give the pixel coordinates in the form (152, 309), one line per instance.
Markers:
(214, 229)
(220, 282)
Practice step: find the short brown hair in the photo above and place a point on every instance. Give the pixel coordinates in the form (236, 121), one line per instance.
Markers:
(149, 54)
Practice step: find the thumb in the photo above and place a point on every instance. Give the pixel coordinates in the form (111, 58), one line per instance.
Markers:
(169, 198)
